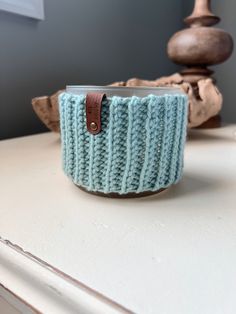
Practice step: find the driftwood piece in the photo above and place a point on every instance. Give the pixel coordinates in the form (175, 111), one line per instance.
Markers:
(165, 80)
(207, 105)
(203, 105)
(46, 108)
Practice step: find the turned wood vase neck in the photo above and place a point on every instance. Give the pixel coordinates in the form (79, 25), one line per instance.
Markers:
(202, 15)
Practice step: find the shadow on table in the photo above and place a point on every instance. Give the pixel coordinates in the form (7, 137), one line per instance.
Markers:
(189, 185)
(226, 133)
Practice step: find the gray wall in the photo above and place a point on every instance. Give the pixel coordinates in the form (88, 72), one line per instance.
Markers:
(224, 73)
(80, 42)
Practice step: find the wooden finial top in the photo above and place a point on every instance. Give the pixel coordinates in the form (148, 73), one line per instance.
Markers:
(202, 15)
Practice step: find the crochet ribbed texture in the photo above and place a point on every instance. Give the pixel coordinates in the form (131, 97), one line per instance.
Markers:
(140, 147)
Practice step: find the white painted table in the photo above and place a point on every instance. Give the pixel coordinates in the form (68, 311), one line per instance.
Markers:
(173, 253)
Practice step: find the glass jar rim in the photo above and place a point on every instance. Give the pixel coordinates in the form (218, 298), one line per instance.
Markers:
(124, 91)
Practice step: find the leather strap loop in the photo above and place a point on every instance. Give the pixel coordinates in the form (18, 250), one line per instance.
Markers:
(93, 112)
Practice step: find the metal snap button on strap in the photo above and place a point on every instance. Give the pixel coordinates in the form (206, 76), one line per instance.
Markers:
(93, 126)
(93, 112)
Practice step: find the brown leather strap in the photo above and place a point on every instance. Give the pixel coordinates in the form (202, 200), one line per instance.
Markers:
(93, 112)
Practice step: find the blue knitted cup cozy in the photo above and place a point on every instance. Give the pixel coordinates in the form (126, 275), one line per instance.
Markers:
(139, 149)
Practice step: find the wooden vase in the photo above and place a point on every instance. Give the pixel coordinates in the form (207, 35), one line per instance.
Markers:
(200, 45)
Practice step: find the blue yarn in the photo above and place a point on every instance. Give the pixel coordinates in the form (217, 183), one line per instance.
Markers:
(140, 147)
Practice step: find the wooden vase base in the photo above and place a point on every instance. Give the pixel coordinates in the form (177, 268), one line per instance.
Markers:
(117, 195)
(212, 123)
